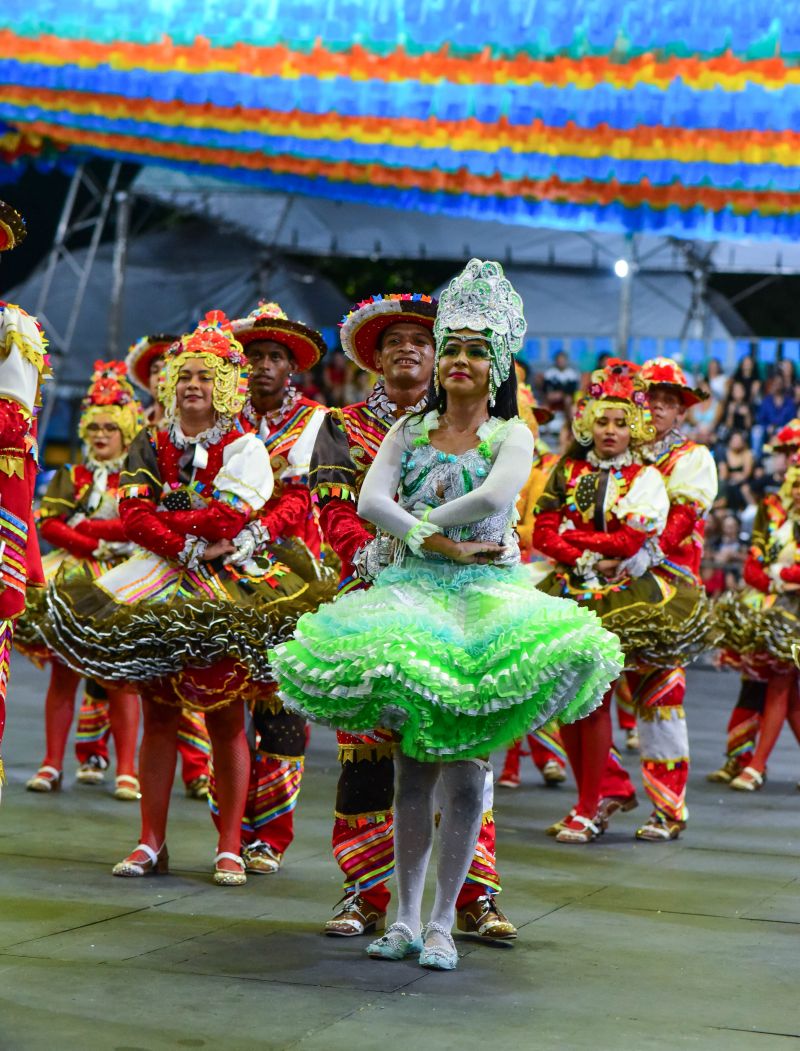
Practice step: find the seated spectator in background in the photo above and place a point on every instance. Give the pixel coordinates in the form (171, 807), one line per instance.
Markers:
(716, 380)
(735, 472)
(776, 409)
(561, 381)
(769, 475)
(335, 378)
(307, 385)
(788, 370)
(724, 557)
(728, 552)
(701, 417)
(704, 434)
(747, 374)
(735, 414)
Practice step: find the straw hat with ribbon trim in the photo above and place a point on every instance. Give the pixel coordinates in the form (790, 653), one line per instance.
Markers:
(665, 372)
(361, 330)
(143, 353)
(268, 321)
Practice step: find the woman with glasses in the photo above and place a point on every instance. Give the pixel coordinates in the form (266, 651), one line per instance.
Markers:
(80, 519)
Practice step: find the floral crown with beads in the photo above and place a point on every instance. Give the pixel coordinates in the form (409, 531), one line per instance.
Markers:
(214, 343)
(618, 385)
(110, 394)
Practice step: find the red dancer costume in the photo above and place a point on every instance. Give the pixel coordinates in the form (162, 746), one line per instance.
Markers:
(145, 363)
(598, 520)
(80, 519)
(760, 625)
(23, 365)
(287, 424)
(363, 841)
(742, 731)
(190, 616)
(544, 745)
(690, 478)
(745, 720)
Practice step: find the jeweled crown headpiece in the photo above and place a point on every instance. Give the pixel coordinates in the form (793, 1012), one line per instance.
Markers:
(619, 386)
(110, 394)
(483, 300)
(214, 343)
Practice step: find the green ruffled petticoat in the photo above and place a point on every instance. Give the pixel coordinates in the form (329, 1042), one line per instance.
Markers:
(457, 660)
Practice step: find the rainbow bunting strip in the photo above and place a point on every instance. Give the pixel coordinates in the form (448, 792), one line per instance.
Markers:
(679, 118)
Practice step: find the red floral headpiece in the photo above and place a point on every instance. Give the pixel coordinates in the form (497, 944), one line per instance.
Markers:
(787, 439)
(620, 383)
(213, 335)
(616, 380)
(110, 392)
(665, 372)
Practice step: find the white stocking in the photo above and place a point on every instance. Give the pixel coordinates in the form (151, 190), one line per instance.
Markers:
(461, 793)
(415, 784)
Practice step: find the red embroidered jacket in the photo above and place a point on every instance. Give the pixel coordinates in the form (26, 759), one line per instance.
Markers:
(690, 477)
(765, 547)
(156, 504)
(346, 445)
(289, 512)
(569, 496)
(67, 496)
(21, 563)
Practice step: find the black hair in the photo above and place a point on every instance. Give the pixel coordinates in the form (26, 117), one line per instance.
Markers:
(576, 451)
(505, 405)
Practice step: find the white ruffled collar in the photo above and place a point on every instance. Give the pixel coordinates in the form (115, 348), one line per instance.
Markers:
(210, 436)
(109, 466)
(275, 417)
(380, 403)
(623, 460)
(655, 450)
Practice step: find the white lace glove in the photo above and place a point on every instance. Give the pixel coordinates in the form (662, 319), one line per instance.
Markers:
(586, 565)
(191, 555)
(248, 542)
(777, 584)
(648, 555)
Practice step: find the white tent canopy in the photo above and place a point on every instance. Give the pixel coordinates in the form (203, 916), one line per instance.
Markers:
(325, 227)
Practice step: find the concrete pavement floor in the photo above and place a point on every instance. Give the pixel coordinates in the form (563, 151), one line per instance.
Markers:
(689, 944)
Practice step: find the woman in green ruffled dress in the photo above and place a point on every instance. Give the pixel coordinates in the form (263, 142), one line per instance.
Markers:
(452, 648)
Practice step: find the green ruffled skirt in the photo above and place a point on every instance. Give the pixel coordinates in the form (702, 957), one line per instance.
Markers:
(457, 660)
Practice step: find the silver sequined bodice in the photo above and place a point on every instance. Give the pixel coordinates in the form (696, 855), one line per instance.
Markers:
(430, 478)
